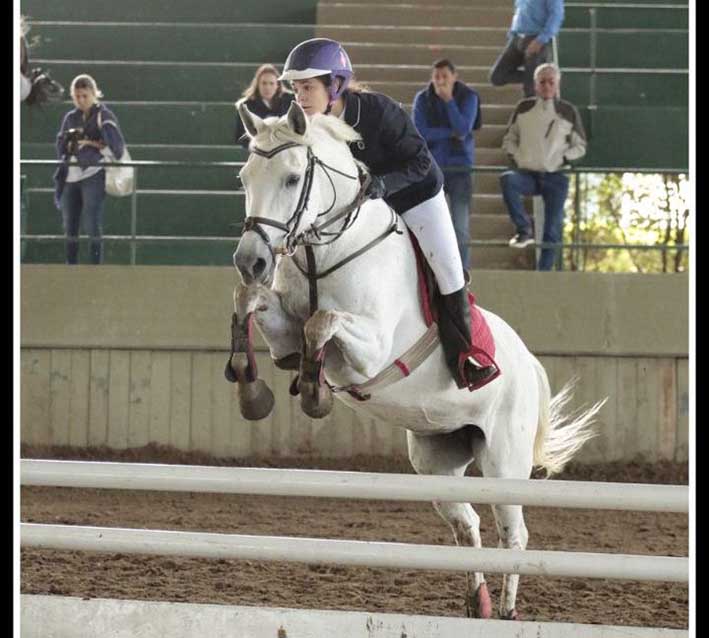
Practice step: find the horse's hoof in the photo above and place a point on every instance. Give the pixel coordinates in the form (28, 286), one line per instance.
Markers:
(315, 399)
(484, 603)
(255, 400)
(509, 615)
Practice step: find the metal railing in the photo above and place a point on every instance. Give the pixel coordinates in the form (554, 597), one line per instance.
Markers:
(134, 239)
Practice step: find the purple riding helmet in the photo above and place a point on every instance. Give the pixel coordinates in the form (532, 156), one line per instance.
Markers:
(319, 56)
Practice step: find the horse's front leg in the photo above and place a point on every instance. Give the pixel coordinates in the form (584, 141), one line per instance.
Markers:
(359, 342)
(261, 306)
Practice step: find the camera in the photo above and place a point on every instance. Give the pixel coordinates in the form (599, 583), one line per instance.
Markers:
(71, 139)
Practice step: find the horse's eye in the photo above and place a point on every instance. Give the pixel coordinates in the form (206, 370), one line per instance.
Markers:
(292, 180)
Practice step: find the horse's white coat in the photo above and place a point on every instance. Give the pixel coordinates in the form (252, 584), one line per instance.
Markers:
(370, 313)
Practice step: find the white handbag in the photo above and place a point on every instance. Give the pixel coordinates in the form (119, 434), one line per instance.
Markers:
(120, 180)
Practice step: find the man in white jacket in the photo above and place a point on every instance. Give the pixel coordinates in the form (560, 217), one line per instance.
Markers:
(544, 134)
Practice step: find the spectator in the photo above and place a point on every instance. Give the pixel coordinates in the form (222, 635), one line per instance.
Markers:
(265, 97)
(544, 133)
(80, 181)
(534, 24)
(446, 113)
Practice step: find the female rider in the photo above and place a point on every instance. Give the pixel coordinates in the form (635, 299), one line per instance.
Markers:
(403, 173)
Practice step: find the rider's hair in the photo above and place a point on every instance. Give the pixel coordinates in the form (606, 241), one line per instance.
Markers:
(444, 63)
(353, 87)
(85, 81)
(252, 91)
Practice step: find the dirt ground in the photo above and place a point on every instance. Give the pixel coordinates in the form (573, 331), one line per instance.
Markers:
(110, 575)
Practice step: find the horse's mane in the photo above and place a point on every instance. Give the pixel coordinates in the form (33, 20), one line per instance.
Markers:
(276, 131)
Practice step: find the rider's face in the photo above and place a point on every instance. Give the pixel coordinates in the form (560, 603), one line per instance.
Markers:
(83, 99)
(312, 95)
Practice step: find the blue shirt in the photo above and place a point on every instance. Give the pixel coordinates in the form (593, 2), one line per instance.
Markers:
(542, 18)
(447, 127)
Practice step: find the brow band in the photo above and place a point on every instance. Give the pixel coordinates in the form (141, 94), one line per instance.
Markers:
(273, 151)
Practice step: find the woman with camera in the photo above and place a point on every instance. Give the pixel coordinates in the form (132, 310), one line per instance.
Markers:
(265, 97)
(80, 180)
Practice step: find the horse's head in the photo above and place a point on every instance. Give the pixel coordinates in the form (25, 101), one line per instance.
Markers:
(297, 170)
(44, 88)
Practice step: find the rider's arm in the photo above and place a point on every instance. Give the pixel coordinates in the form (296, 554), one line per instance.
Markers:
(406, 148)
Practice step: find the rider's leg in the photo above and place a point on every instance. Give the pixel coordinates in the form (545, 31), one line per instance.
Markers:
(431, 223)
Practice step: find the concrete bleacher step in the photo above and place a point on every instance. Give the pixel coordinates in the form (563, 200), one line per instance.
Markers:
(198, 124)
(405, 92)
(160, 212)
(413, 15)
(404, 34)
(490, 226)
(443, 4)
(500, 258)
(150, 122)
(672, 15)
(490, 157)
(168, 41)
(184, 11)
(424, 54)
(419, 73)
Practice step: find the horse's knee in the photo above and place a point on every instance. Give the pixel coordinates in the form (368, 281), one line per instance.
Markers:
(462, 519)
(320, 328)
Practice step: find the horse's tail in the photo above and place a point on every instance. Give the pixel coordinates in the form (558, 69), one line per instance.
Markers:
(559, 435)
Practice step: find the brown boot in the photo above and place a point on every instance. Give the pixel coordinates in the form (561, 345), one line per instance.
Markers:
(454, 331)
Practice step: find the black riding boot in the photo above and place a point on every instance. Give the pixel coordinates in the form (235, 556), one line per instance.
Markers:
(454, 331)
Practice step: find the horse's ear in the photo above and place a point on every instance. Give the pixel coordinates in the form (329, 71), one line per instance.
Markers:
(252, 123)
(297, 119)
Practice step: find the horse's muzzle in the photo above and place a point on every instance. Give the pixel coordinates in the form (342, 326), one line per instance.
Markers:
(254, 266)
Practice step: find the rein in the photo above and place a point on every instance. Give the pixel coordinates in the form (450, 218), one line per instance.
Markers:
(293, 241)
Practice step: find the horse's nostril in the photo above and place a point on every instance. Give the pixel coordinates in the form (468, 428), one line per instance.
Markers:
(259, 266)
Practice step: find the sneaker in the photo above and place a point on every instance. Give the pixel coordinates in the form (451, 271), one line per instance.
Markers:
(520, 240)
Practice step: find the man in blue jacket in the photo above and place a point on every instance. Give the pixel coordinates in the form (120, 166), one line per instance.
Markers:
(534, 24)
(446, 113)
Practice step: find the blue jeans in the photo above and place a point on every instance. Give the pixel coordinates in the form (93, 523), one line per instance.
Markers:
(84, 198)
(553, 187)
(458, 187)
(512, 67)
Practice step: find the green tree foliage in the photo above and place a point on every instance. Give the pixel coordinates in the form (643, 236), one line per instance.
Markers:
(628, 208)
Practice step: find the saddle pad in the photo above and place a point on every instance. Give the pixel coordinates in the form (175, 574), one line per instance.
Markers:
(483, 349)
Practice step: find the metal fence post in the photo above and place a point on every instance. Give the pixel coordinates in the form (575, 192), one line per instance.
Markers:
(577, 219)
(133, 216)
(592, 62)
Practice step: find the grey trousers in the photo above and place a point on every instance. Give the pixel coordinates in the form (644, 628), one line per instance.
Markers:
(506, 69)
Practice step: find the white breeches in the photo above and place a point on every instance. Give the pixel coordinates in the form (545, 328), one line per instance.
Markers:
(431, 224)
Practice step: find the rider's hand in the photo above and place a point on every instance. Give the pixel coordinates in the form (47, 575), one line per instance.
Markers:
(376, 188)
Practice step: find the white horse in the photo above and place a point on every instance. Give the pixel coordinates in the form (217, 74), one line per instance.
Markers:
(300, 175)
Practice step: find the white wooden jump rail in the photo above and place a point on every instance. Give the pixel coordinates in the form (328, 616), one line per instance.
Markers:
(167, 618)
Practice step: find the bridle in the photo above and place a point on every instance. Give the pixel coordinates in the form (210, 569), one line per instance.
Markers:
(290, 227)
(313, 236)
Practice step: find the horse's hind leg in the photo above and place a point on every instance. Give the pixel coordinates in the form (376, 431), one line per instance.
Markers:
(450, 454)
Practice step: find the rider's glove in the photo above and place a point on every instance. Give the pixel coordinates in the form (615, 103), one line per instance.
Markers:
(376, 188)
